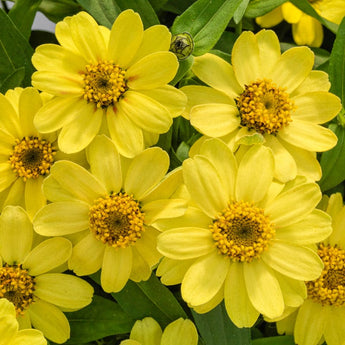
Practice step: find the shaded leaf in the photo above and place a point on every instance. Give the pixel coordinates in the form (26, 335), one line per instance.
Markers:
(57, 10)
(13, 80)
(280, 340)
(184, 67)
(257, 8)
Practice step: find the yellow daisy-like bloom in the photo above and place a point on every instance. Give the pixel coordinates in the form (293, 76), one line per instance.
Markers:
(107, 81)
(25, 154)
(114, 208)
(30, 277)
(148, 332)
(252, 249)
(322, 315)
(266, 97)
(10, 335)
(305, 29)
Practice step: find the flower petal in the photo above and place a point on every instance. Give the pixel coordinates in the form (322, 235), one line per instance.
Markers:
(9, 121)
(215, 119)
(182, 332)
(34, 197)
(217, 73)
(237, 303)
(62, 218)
(140, 268)
(40, 260)
(8, 329)
(307, 31)
(116, 268)
(63, 290)
(29, 337)
(185, 243)
(316, 81)
(204, 278)
(146, 332)
(15, 224)
(7, 176)
(334, 330)
(263, 289)
(294, 261)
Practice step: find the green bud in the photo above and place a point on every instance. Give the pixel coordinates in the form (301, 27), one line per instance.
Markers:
(182, 45)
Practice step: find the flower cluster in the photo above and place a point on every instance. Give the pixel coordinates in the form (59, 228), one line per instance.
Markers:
(88, 185)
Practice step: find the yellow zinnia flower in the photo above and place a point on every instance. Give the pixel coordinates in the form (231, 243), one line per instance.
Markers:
(148, 332)
(305, 29)
(266, 97)
(322, 316)
(113, 208)
(109, 81)
(30, 278)
(251, 245)
(25, 154)
(9, 334)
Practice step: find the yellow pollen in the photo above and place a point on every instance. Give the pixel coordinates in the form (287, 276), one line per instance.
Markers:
(264, 107)
(329, 288)
(17, 286)
(104, 83)
(116, 220)
(242, 231)
(32, 157)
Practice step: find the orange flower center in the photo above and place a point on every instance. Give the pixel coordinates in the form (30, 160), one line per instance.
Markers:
(104, 83)
(264, 107)
(17, 286)
(117, 220)
(242, 231)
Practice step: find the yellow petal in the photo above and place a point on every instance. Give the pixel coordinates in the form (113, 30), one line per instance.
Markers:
(291, 13)
(8, 329)
(217, 73)
(334, 330)
(9, 121)
(29, 337)
(34, 197)
(271, 18)
(308, 31)
(140, 268)
(182, 332)
(204, 278)
(146, 332)
(125, 38)
(7, 176)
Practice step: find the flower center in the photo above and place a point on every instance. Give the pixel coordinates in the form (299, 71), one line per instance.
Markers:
(17, 286)
(265, 107)
(329, 289)
(242, 231)
(117, 220)
(32, 157)
(104, 83)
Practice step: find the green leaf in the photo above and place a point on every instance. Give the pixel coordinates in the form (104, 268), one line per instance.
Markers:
(57, 10)
(307, 8)
(216, 328)
(15, 51)
(13, 80)
(184, 67)
(205, 20)
(177, 6)
(333, 161)
(240, 11)
(158, 4)
(101, 318)
(149, 298)
(143, 7)
(336, 68)
(257, 8)
(23, 14)
(104, 11)
(279, 340)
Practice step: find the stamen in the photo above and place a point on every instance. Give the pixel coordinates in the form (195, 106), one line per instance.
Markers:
(329, 289)
(265, 107)
(117, 220)
(32, 157)
(242, 231)
(104, 83)
(17, 286)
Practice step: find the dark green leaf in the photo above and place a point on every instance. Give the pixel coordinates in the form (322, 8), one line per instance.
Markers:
(99, 319)
(282, 340)
(13, 80)
(183, 69)
(205, 20)
(157, 4)
(57, 10)
(216, 328)
(15, 51)
(149, 298)
(23, 14)
(143, 7)
(257, 8)
(336, 68)
(305, 6)
(240, 11)
(333, 161)
(104, 11)
(177, 6)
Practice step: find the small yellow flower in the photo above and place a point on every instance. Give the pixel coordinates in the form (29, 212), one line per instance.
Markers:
(266, 97)
(148, 332)
(9, 334)
(322, 315)
(109, 81)
(114, 209)
(306, 30)
(25, 154)
(250, 245)
(30, 277)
